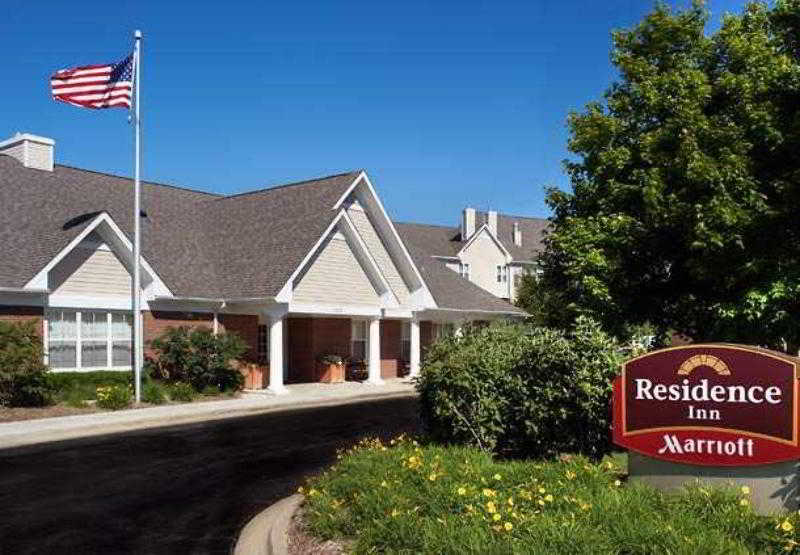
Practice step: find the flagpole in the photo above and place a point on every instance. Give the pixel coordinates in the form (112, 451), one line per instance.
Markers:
(138, 336)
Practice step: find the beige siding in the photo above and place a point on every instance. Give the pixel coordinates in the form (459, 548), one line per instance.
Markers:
(17, 151)
(378, 251)
(483, 255)
(90, 271)
(40, 156)
(335, 276)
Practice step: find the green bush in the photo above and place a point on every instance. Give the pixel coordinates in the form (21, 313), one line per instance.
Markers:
(24, 380)
(114, 397)
(153, 393)
(198, 357)
(522, 391)
(182, 392)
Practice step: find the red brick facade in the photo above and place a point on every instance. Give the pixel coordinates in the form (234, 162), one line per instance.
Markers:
(312, 337)
(391, 348)
(246, 327)
(24, 313)
(156, 323)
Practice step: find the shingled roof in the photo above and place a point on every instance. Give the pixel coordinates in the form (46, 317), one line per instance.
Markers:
(200, 244)
(449, 290)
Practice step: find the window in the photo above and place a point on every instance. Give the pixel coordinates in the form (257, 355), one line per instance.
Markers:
(358, 346)
(62, 336)
(502, 274)
(121, 350)
(88, 339)
(443, 330)
(94, 339)
(464, 270)
(263, 344)
(405, 342)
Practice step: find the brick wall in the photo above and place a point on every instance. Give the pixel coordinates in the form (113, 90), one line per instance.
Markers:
(246, 327)
(312, 337)
(156, 323)
(23, 313)
(391, 349)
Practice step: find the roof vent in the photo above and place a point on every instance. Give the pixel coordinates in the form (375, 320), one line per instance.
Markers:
(32, 151)
(517, 235)
(467, 223)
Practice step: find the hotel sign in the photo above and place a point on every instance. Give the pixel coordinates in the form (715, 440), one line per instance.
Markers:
(715, 405)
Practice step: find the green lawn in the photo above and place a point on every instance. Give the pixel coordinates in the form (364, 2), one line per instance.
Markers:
(405, 497)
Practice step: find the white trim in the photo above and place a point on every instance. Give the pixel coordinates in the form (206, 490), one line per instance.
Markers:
(19, 137)
(334, 309)
(40, 281)
(361, 253)
(495, 239)
(425, 299)
(88, 303)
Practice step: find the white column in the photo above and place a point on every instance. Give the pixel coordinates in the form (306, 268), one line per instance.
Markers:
(374, 364)
(415, 349)
(276, 355)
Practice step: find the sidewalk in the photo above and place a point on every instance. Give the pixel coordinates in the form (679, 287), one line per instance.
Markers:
(30, 432)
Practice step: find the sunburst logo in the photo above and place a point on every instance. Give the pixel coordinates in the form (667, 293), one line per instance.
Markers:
(704, 360)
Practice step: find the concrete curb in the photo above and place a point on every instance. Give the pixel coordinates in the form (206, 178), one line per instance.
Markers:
(267, 532)
(15, 434)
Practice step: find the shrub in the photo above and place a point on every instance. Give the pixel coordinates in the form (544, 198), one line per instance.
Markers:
(198, 357)
(114, 397)
(182, 392)
(24, 380)
(520, 390)
(153, 393)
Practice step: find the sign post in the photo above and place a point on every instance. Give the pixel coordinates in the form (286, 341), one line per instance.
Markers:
(721, 413)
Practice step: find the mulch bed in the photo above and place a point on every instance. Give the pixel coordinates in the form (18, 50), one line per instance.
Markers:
(303, 543)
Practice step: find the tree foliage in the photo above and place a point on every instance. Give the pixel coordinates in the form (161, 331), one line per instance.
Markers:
(686, 181)
(24, 380)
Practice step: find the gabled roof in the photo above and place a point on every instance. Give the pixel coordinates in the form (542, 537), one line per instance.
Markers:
(532, 234)
(201, 244)
(449, 290)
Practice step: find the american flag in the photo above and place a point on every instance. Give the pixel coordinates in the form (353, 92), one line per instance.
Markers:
(98, 86)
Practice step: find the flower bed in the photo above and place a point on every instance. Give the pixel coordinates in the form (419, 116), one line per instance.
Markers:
(405, 497)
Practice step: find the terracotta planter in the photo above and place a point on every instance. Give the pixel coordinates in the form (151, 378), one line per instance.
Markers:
(330, 373)
(253, 375)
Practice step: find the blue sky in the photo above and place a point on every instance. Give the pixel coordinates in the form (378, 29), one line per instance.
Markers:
(445, 104)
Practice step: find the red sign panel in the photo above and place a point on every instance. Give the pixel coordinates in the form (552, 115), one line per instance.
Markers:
(716, 405)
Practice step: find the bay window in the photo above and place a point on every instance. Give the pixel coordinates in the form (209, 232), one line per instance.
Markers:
(78, 339)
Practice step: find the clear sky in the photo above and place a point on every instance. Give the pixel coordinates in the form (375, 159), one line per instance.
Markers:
(446, 104)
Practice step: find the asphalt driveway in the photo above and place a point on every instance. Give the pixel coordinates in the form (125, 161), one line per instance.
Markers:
(183, 489)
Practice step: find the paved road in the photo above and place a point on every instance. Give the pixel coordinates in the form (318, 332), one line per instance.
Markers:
(186, 489)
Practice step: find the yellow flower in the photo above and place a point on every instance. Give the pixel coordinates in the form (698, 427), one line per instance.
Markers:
(744, 502)
(570, 475)
(488, 492)
(510, 502)
(432, 477)
(384, 484)
(508, 526)
(395, 512)
(497, 477)
(490, 507)
(541, 502)
(462, 491)
(548, 498)
(745, 490)
(617, 483)
(312, 492)
(496, 517)
(542, 490)
(585, 506)
(786, 526)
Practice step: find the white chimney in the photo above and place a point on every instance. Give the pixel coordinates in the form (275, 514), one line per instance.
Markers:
(32, 151)
(467, 223)
(517, 235)
(491, 221)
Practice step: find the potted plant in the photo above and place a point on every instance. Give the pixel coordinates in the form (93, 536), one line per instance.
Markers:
(330, 368)
(357, 370)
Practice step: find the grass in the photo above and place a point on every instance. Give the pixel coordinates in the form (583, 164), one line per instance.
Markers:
(75, 388)
(404, 498)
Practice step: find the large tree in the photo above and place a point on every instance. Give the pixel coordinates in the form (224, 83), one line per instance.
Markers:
(685, 202)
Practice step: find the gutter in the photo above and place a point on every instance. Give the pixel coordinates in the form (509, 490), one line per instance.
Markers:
(22, 290)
